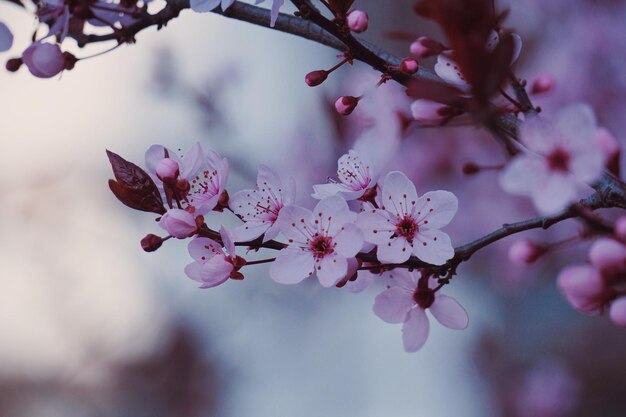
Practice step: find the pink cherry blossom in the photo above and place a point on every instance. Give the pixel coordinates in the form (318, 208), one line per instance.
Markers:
(525, 252)
(213, 265)
(357, 21)
(560, 158)
(406, 300)
(207, 174)
(430, 113)
(320, 241)
(406, 225)
(260, 208)
(424, 47)
(179, 223)
(584, 287)
(44, 60)
(609, 256)
(356, 176)
(617, 311)
(6, 38)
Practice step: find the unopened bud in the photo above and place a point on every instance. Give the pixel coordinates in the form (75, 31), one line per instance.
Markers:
(167, 170)
(14, 64)
(357, 21)
(424, 47)
(542, 84)
(584, 288)
(346, 104)
(69, 60)
(315, 78)
(431, 113)
(618, 311)
(409, 65)
(526, 252)
(609, 256)
(471, 168)
(151, 242)
(620, 229)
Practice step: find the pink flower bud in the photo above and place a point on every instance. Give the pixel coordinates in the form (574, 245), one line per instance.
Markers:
(620, 229)
(525, 252)
(357, 21)
(409, 65)
(584, 288)
(315, 78)
(430, 113)
(179, 223)
(424, 47)
(609, 256)
(44, 60)
(610, 148)
(167, 170)
(542, 84)
(346, 105)
(14, 64)
(618, 311)
(151, 242)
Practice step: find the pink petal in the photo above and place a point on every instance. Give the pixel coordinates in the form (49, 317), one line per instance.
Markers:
(291, 266)
(435, 209)
(364, 280)
(449, 312)
(556, 192)
(349, 240)
(393, 304)
(405, 279)
(394, 251)
(398, 194)
(538, 135)
(522, 174)
(6, 38)
(321, 191)
(294, 223)
(276, 5)
(202, 248)
(216, 271)
(331, 269)
(587, 164)
(192, 161)
(203, 6)
(251, 230)
(376, 226)
(415, 330)
(227, 239)
(577, 124)
(155, 154)
(194, 271)
(449, 71)
(332, 213)
(433, 247)
(353, 171)
(179, 223)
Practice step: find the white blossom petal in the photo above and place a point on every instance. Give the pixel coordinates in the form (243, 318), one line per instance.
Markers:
(398, 194)
(433, 247)
(435, 209)
(291, 266)
(415, 330)
(216, 271)
(449, 312)
(349, 240)
(331, 268)
(392, 305)
(394, 251)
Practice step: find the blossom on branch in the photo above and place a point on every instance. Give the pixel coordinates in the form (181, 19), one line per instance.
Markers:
(320, 242)
(408, 296)
(355, 175)
(213, 265)
(406, 225)
(259, 208)
(560, 158)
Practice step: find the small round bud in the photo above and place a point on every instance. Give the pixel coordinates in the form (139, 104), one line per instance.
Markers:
(167, 170)
(620, 229)
(69, 60)
(617, 311)
(609, 256)
(346, 105)
(423, 47)
(409, 65)
(315, 78)
(14, 64)
(357, 21)
(151, 242)
(584, 288)
(525, 252)
(542, 84)
(430, 113)
(471, 168)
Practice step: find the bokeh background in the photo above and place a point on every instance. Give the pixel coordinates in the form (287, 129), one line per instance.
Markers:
(90, 325)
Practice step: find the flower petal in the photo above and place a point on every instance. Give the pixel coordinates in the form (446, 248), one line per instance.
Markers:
(393, 304)
(376, 226)
(577, 124)
(394, 251)
(415, 330)
(332, 213)
(216, 271)
(331, 269)
(250, 231)
(203, 6)
(398, 194)
(449, 312)
(433, 247)
(294, 223)
(349, 240)
(202, 248)
(523, 174)
(556, 192)
(435, 209)
(291, 266)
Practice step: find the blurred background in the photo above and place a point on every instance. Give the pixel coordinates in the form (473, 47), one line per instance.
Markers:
(91, 325)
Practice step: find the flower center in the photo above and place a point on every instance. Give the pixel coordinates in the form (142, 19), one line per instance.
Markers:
(558, 160)
(407, 227)
(321, 246)
(424, 297)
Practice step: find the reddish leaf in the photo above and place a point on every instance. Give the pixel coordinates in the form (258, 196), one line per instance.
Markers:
(133, 186)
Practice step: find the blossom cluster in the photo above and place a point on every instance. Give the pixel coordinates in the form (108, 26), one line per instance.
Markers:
(361, 228)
